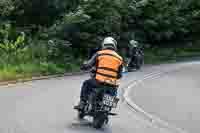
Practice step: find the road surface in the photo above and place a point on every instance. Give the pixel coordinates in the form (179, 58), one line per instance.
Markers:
(46, 106)
(173, 96)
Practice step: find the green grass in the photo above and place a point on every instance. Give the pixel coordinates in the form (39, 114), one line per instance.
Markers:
(27, 70)
(13, 72)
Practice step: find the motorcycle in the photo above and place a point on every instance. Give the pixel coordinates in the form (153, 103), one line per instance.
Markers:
(135, 62)
(100, 103)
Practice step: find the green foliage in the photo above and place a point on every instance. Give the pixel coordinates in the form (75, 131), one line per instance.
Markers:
(12, 72)
(149, 20)
(105, 16)
(165, 20)
(11, 50)
(6, 7)
(9, 46)
(56, 34)
(75, 17)
(43, 12)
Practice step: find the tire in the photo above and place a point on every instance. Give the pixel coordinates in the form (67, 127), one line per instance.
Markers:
(81, 115)
(106, 120)
(137, 67)
(99, 121)
(130, 70)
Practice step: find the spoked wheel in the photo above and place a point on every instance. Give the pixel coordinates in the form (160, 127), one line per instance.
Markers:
(99, 121)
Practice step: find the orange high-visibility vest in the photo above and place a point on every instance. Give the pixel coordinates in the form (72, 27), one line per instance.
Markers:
(108, 63)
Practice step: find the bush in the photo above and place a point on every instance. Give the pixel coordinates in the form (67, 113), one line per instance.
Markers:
(57, 34)
(11, 72)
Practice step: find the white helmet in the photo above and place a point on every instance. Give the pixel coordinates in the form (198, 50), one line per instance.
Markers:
(133, 43)
(109, 42)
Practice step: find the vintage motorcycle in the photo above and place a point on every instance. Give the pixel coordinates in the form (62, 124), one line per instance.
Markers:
(135, 62)
(99, 106)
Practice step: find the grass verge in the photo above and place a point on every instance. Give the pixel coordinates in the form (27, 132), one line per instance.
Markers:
(27, 70)
(20, 71)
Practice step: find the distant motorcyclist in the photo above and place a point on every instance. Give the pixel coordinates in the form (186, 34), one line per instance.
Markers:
(108, 70)
(133, 47)
(135, 54)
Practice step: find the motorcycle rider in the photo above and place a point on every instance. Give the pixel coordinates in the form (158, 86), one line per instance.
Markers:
(133, 47)
(108, 66)
(134, 51)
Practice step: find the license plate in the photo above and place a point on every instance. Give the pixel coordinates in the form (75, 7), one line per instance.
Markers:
(110, 101)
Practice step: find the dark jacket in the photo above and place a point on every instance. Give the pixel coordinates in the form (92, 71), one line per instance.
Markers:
(93, 51)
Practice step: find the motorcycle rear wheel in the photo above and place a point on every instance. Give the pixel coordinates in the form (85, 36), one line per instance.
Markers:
(99, 121)
(81, 115)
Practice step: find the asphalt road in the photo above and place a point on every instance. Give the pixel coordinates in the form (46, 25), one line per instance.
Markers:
(173, 97)
(46, 106)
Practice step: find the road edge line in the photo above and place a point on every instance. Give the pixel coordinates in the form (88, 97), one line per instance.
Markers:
(23, 80)
(152, 118)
